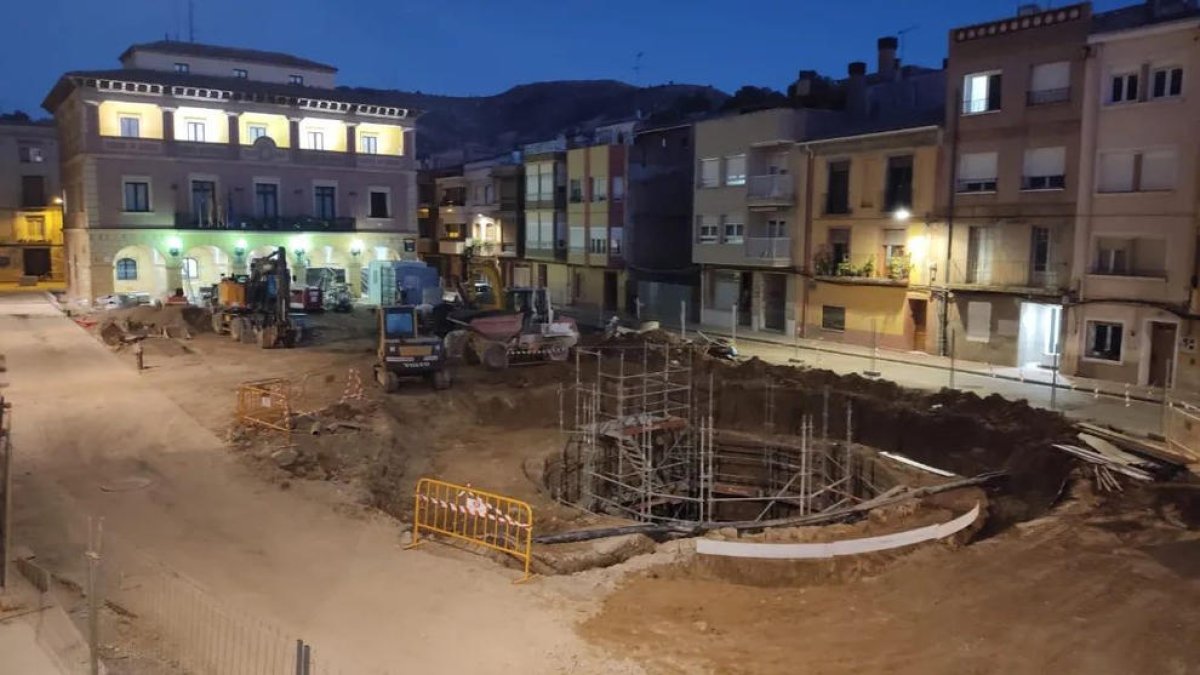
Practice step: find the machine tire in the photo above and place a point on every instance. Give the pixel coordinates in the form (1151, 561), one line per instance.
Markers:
(391, 383)
(236, 326)
(441, 379)
(218, 322)
(495, 356)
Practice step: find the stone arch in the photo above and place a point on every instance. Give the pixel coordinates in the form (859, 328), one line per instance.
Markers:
(211, 264)
(140, 269)
(383, 253)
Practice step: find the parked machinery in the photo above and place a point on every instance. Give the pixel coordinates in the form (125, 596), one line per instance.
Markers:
(255, 308)
(404, 351)
(524, 331)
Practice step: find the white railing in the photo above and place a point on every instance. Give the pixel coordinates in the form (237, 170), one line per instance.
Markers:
(774, 186)
(769, 249)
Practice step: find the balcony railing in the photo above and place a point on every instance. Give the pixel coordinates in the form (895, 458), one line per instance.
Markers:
(1008, 273)
(493, 249)
(878, 267)
(1125, 271)
(194, 221)
(769, 250)
(976, 185)
(772, 188)
(1046, 96)
(836, 204)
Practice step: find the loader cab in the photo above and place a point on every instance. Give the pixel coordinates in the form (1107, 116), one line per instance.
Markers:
(532, 303)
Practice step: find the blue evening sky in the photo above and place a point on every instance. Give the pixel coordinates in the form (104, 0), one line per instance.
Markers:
(486, 46)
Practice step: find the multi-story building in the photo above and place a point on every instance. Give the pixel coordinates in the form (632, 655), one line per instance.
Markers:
(873, 194)
(596, 218)
(1135, 235)
(31, 236)
(192, 159)
(1008, 185)
(450, 195)
(494, 198)
(658, 241)
(545, 176)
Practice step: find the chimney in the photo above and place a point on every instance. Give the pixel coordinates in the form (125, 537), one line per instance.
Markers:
(803, 84)
(887, 57)
(856, 89)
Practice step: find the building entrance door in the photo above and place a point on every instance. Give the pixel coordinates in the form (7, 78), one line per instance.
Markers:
(918, 309)
(1162, 353)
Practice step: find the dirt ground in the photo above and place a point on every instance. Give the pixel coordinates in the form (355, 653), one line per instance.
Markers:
(1086, 584)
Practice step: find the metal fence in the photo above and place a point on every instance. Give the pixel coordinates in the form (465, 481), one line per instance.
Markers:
(1181, 426)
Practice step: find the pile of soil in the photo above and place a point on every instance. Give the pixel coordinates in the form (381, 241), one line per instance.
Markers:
(115, 325)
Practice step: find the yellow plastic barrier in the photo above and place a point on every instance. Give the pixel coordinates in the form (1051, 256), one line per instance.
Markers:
(463, 512)
(266, 404)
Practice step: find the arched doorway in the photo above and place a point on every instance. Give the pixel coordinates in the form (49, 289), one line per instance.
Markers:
(203, 266)
(140, 269)
(327, 265)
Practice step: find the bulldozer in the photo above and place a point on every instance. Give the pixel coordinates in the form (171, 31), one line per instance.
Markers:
(404, 351)
(255, 307)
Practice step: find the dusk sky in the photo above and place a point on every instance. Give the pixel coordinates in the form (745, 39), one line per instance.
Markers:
(486, 46)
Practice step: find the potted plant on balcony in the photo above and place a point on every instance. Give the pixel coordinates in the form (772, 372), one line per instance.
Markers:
(899, 266)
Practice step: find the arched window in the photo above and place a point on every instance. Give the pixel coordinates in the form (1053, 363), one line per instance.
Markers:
(191, 269)
(126, 269)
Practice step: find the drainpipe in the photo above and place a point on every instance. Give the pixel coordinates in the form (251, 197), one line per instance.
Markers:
(807, 248)
(943, 339)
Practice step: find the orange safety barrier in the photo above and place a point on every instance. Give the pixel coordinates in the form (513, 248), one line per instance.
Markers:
(463, 512)
(265, 403)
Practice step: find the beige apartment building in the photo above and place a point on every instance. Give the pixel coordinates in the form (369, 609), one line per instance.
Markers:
(1003, 233)
(1136, 230)
(191, 159)
(749, 220)
(545, 169)
(31, 236)
(480, 215)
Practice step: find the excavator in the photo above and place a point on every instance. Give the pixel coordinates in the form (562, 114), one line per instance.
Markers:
(255, 307)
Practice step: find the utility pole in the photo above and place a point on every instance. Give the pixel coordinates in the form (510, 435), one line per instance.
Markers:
(191, 21)
(92, 555)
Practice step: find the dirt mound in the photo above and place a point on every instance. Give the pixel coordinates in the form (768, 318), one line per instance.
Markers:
(177, 320)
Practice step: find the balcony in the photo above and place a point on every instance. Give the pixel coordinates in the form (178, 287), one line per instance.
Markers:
(836, 204)
(494, 249)
(771, 190)
(452, 246)
(873, 268)
(966, 186)
(544, 250)
(1009, 275)
(205, 150)
(131, 146)
(193, 221)
(772, 251)
(1048, 96)
(452, 214)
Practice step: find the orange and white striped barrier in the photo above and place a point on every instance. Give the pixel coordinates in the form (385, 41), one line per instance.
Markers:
(475, 516)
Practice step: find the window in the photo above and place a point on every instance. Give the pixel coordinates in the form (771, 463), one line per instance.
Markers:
(615, 236)
(1039, 249)
(1050, 83)
(489, 193)
(1104, 340)
(182, 68)
(1123, 88)
(979, 321)
(735, 229)
(833, 318)
(191, 269)
(578, 240)
(837, 195)
(295, 79)
(256, 131)
(131, 126)
(1137, 171)
(599, 188)
(1130, 256)
(709, 229)
(735, 170)
(1112, 255)
(1045, 169)
(195, 131)
(204, 202)
(315, 140)
(379, 204)
(618, 187)
(324, 198)
(777, 229)
(240, 73)
(977, 172)
(598, 244)
(981, 92)
(35, 228)
(1166, 82)
(898, 190)
(894, 240)
(839, 245)
(368, 144)
(126, 269)
(980, 247)
(266, 200)
(576, 190)
(30, 154)
(710, 172)
(137, 196)
(33, 191)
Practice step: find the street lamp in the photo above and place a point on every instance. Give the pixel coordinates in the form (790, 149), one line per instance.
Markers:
(174, 245)
(901, 214)
(356, 248)
(239, 249)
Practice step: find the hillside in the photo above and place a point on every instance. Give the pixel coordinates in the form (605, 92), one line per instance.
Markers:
(535, 112)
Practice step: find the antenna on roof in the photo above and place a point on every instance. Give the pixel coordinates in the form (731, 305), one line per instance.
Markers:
(637, 68)
(191, 21)
(900, 38)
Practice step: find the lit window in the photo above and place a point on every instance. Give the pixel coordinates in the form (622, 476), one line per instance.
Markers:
(599, 188)
(1104, 340)
(137, 196)
(1123, 88)
(30, 154)
(324, 198)
(981, 92)
(126, 269)
(240, 73)
(182, 68)
(295, 79)
(735, 170)
(369, 144)
(1166, 82)
(191, 269)
(316, 140)
(256, 131)
(195, 131)
(131, 126)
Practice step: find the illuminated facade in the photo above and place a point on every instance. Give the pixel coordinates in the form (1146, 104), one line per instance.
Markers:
(31, 235)
(191, 160)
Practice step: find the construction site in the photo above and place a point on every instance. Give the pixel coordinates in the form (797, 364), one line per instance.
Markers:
(632, 503)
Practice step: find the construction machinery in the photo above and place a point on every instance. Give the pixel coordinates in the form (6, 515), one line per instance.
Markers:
(524, 331)
(255, 307)
(404, 351)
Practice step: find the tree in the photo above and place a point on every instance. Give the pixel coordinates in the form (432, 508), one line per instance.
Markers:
(749, 98)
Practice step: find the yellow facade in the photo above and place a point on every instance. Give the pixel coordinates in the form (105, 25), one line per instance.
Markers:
(149, 116)
(332, 134)
(215, 123)
(390, 138)
(277, 128)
